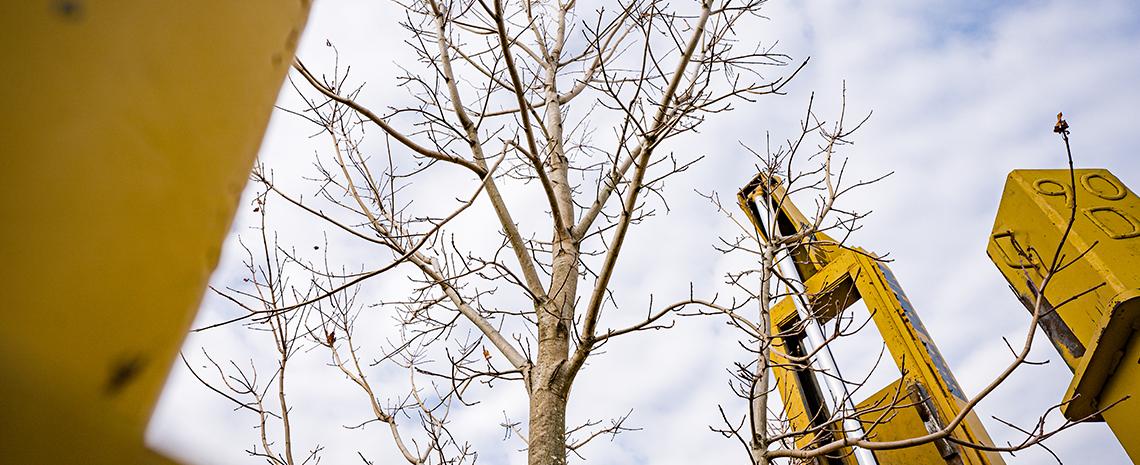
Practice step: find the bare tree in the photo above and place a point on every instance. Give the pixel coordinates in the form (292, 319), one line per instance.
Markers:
(812, 167)
(550, 100)
(568, 104)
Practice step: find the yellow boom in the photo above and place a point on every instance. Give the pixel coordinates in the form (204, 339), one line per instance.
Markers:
(927, 396)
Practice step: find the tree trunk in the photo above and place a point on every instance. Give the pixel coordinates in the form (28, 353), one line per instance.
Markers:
(549, 384)
(547, 423)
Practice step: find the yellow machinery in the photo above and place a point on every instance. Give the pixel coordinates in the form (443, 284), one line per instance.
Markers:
(925, 398)
(1091, 309)
(128, 132)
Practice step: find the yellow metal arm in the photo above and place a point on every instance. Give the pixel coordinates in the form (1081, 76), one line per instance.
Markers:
(835, 277)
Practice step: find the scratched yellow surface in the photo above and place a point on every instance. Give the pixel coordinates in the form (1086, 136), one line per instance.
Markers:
(1096, 297)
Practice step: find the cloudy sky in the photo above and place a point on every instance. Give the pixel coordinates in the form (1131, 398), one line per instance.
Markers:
(962, 93)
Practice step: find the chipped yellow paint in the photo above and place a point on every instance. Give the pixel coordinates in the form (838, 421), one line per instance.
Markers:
(1096, 298)
(128, 132)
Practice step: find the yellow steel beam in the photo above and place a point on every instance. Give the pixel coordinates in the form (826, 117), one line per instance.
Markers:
(1092, 307)
(128, 131)
(927, 396)
(916, 355)
(850, 276)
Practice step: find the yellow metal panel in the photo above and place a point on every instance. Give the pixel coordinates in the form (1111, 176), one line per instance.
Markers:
(897, 424)
(128, 131)
(1034, 210)
(1097, 298)
(1124, 418)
